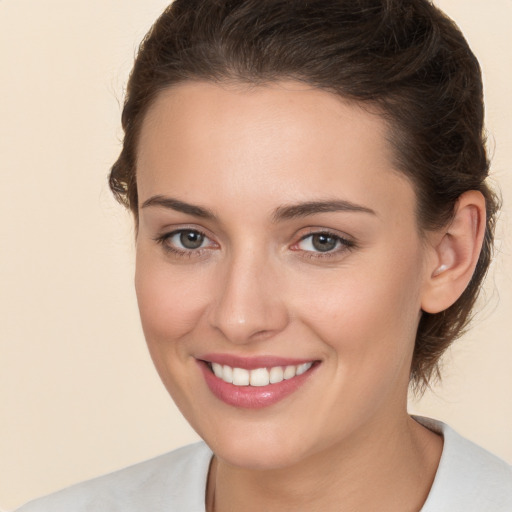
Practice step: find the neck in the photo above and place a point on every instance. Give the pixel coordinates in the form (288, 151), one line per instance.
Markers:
(385, 469)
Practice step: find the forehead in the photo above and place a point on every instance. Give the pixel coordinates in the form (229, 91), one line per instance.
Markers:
(231, 112)
(286, 140)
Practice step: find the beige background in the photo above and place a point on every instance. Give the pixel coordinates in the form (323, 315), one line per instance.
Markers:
(78, 394)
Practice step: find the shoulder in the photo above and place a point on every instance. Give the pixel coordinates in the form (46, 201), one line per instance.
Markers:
(175, 481)
(468, 478)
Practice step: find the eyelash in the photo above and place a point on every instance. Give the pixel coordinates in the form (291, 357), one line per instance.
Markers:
(187, 253)
(344, 244)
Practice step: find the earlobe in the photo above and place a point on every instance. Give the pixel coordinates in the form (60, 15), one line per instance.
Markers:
(455, 253)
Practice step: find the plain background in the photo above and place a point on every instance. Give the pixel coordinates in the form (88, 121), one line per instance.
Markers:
(78, 393)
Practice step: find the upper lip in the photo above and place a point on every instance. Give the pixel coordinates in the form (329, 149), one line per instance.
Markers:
(251, 363)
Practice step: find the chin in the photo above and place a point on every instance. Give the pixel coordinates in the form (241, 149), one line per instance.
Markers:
(263, 449)
(242, 455)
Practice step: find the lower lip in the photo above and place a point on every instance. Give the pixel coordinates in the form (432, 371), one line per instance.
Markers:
(253, 397)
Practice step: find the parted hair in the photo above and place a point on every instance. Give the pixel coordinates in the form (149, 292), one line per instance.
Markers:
(403, 59)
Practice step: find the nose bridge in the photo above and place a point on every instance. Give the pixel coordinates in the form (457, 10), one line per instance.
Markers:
(248, 304)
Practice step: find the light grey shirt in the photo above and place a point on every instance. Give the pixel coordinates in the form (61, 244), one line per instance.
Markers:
(469, 479)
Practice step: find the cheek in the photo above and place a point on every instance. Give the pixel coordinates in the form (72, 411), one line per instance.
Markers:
(369, 313)
(170, 303)
(170, 308)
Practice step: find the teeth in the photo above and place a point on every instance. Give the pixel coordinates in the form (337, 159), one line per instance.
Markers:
(276, 374)
(290, 372)
(302, 368)
(217, 369)
(240, 377)
(227, 373)
(259, 376)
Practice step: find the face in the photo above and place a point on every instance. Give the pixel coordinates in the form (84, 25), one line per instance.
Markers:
(279, 268)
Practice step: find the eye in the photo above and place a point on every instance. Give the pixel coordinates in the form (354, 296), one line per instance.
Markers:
(323, 242)
(185, 241)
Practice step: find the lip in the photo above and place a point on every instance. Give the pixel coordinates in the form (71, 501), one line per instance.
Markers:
(253, 397)
(251, 363)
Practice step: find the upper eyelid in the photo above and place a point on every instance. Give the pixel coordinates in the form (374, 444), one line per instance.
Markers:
(168, 231)
(345, 239)
(346, 243)
(327, 231)
(324, 232)
(181, 252)
(166, 235)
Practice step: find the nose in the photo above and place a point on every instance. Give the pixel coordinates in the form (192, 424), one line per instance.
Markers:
(248, 305)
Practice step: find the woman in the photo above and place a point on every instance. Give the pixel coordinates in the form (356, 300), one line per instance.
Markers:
(308, 183)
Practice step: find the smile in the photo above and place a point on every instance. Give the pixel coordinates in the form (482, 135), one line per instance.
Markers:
(258, 377)
(256, 382)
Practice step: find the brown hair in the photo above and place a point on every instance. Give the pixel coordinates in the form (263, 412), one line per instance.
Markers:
(403, 57)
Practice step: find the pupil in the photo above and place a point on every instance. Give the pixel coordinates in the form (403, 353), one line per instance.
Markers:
(324, 243)
(191, 239)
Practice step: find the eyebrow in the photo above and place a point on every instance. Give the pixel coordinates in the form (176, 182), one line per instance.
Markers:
(286, 212)
(179, 206)
(296, 211)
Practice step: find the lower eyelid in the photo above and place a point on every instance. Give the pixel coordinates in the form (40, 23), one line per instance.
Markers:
(341, 242)
(165, 241)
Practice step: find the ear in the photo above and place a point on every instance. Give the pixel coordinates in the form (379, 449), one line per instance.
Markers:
(455, 250)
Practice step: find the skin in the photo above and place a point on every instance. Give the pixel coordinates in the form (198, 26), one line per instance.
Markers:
(257, 286)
